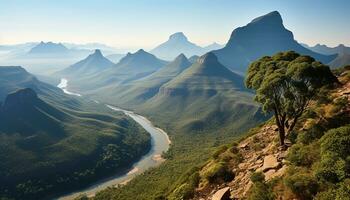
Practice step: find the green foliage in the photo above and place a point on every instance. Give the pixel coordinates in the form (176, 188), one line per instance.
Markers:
(218, 172)
(341, 192)
(303, 155)
(260, 189)
(310, 135)
(257, 177)
(303, 184)
(285, 83)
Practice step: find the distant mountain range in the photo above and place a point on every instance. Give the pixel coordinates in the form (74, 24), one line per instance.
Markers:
(324, 49)
(178, 43)
(342, 59)
(265, 35)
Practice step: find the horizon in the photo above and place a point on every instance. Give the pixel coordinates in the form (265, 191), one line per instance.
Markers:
(80, 22)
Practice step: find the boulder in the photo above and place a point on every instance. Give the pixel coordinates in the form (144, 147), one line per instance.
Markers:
(222, 194)
(270, 162)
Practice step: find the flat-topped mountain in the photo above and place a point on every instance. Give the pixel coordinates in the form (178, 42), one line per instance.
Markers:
(48, 48)
(92, 64)
(265, 35)
(176, 44)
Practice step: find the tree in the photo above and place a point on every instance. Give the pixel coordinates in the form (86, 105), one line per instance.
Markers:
(285, 84)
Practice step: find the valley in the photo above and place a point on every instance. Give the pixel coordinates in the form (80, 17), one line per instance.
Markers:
(160, 143)
(174, 100)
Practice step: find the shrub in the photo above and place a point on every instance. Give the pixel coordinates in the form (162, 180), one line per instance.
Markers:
(301, 155)
(303, 185)
(342, 192)
(219, 151)
(218, 172)
(308, 136)
(260, 190)
(257, 177)
(331, 168)
(337, 141)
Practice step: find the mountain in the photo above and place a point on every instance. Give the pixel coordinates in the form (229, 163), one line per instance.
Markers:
(341, 60)
(93, 64)
(202, 95)
(202, 109)
(265, 35)
(140, 90)
(324, 49)
(48, 48)
(131, 67)
(193, 59)
(62, 141)
(177, 44)
(213, 46)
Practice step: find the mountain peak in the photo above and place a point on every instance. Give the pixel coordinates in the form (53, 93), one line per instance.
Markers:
(140, 51)
(181, 57)
(21, 97)
(208, 58)
(179, 36)
(97, 52)
(271, 18)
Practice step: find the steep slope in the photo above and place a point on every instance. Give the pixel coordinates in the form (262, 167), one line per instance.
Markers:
(341, 60)
(324, 49)
(91, 65)
(51, 142)
(136, 92)
(177, 44)
(265, 35)
(305, 170)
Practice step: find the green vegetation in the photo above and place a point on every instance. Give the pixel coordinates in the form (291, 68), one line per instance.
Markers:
(260, 189)
(49, 145)
(319, 159)
(285, 84)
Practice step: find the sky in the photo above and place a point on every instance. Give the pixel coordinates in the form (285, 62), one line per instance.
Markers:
(147, 23)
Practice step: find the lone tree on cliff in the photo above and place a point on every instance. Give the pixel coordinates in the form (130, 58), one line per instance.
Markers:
(285, 84)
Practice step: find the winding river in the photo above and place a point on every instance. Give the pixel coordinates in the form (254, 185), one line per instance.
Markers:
(160, 143)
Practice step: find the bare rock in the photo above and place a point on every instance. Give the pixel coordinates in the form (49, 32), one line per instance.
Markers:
(270, 162)
(222, 194)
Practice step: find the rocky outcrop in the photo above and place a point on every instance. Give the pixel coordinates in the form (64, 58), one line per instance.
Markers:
(222, 194)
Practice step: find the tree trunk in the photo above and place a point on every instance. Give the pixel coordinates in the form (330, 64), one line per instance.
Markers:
(282, 135)
(281, 129)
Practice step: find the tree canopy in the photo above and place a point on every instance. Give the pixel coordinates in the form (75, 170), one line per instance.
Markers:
(285, 84)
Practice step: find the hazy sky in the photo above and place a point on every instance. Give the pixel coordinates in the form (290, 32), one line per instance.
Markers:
(146, 23)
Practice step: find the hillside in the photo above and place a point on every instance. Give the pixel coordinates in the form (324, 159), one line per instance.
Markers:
(255, 168)
(340, 61)
(203, 107)
(91, 65)
(139, 91)
(265, 35)
(63, 143)
(131, 67)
